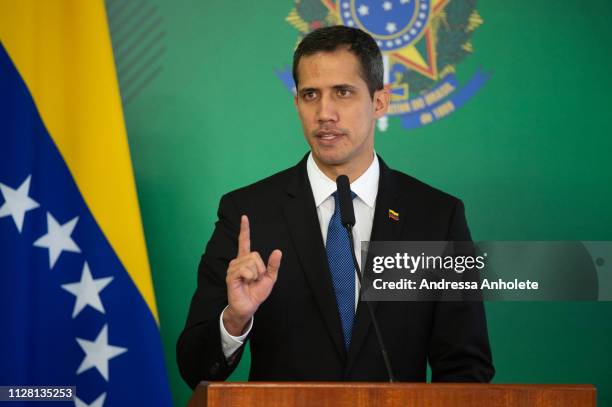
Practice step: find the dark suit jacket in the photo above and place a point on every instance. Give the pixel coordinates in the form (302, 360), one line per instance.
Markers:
(297, 332)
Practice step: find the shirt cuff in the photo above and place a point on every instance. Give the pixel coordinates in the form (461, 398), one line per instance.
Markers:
(229, 343)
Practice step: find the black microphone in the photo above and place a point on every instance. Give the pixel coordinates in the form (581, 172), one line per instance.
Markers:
(347, 216)
(347, 212)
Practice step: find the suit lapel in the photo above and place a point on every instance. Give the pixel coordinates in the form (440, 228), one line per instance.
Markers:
(383, 228)
(301, 215)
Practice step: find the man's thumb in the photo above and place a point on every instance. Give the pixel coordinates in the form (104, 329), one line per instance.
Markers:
(274, 262)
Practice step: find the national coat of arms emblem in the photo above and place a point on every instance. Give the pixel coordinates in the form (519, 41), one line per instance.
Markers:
(422, 42)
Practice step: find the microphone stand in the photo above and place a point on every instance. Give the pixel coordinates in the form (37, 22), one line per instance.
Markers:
(349, 230)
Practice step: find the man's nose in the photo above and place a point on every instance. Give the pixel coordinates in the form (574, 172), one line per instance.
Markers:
(327, 109)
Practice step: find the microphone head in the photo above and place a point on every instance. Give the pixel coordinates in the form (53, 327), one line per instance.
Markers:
(347, 212)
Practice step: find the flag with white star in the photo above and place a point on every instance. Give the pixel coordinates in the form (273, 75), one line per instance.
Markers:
(77, 306)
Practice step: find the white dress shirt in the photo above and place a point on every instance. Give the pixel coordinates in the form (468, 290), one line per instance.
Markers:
(365, 188)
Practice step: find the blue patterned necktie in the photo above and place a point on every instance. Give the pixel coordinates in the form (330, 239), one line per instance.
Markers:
(342, 270)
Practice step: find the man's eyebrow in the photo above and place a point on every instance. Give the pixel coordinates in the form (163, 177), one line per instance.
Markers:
(344, 86)
(335, 87)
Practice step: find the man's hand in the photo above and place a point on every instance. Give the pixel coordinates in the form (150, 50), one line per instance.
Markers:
(249, 281)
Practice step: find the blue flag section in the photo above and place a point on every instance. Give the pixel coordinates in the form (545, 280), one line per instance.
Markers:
(70, 314)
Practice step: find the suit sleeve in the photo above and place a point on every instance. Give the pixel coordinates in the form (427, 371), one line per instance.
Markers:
(199, 351)
(459, 345)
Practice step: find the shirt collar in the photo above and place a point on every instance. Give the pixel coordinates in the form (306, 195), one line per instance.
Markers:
(365, 187)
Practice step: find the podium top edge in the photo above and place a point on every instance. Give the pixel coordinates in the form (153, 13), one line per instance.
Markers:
(364, 385)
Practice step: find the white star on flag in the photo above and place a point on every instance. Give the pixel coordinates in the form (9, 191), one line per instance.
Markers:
(87, 291)
(17, 202)
(387, 5)
(98, 353)
(58, 238)
(99, 402)
(391, 27)
(363, 10)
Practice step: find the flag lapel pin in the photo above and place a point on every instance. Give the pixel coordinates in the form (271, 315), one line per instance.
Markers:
(393, 215)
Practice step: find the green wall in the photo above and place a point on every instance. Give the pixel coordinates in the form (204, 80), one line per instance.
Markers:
(529, 154)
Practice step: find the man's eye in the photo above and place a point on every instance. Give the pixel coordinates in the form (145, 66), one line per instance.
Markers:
(308, 95)
(344, 92)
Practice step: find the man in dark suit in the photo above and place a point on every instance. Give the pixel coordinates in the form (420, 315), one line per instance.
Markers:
(300, 307)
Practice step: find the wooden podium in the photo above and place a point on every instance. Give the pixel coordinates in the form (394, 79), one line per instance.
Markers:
(354, 394)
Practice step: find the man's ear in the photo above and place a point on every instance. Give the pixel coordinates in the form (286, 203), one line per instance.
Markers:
(382, 98)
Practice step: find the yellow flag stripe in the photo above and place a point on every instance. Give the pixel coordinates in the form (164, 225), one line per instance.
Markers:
(63, 52)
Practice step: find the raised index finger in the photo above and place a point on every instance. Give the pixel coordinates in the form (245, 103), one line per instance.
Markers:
(244, 237)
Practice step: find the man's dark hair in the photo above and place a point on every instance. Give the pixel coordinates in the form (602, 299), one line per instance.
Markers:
(328, 39)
